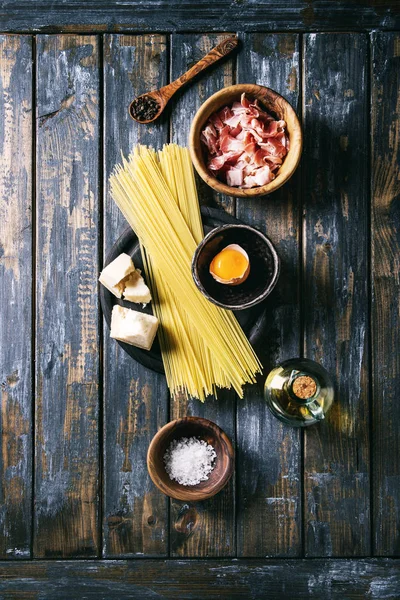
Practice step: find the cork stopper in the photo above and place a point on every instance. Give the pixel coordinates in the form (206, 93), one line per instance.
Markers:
(304, 387)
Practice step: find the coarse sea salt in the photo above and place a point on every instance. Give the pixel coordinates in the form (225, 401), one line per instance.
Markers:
(189, 460)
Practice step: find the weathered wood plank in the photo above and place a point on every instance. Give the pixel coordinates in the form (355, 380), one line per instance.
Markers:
(135, 399)
(190, 580)
(269, 453)
(15, 294)
(335, 163)
(187, 15)
(186, 50)
(385, 171)
(205, 528)
(67, 343)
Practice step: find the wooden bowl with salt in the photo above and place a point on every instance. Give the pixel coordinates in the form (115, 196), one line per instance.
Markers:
(189, 427)
(274, 104)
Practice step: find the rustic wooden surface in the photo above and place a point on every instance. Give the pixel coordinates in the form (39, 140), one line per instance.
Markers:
(67, 321)
(16, 105)
(206, 528)
(193, 579)
(77, 414)
(135, 398)
(335, 290)
(269, 464)
(201, 15)
(385, 187)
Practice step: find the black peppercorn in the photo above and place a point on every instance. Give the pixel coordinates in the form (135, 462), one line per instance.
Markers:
(144, 108)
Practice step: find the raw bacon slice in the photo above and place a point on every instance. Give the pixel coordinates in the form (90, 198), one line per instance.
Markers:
(244, 101)
(263, 175)
(274, 148)
(236, 132)
(225, 114)
(234, 177)
(210, 139)
(217, 163)
(229, 144)
(251, 150)
(216, 121)
(234, 120)
(245, 145)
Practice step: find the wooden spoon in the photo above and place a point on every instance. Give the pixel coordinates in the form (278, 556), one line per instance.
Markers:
(158, 99)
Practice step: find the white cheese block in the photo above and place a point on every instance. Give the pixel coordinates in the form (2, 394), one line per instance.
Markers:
(112, 275)
(135, 289)
(133, 327)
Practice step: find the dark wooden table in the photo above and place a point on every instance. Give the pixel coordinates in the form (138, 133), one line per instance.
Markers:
(312, 513)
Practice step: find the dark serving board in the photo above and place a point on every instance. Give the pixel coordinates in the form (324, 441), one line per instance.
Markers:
(251, 320)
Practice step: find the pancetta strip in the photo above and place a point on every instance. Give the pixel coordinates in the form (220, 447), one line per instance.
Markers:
(245, 146)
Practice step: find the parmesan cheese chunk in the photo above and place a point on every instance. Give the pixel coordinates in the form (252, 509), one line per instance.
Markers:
(113, 275)
(136, 290)
(133, 327)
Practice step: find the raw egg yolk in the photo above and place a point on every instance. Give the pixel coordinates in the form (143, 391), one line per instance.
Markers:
(229, 264)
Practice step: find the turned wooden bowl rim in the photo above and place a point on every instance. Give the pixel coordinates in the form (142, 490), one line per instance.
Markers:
(273, 102)
(190, 493)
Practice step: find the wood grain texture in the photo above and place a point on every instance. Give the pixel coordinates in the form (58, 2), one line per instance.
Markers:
(336, 461)
(187, 15)
(67, 341)
(336, 236)
(206, 528)
(269, 453)
(15, 295)
(185, 51)
(135, 398)
(378, 579)
(385, 174)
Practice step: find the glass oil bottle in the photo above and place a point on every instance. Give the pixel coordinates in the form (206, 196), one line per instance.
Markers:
(299, 392)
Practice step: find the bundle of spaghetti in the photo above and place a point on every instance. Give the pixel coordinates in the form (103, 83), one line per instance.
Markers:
(187, 360)
(177, 170)
(188, 366)
(202, 345)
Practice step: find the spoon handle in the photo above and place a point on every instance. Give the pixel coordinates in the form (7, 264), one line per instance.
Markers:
(224, 48)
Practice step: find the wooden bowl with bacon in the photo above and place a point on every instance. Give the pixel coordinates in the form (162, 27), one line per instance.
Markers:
(245, 141)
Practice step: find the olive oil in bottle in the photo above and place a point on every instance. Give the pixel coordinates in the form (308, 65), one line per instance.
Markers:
(299, 392)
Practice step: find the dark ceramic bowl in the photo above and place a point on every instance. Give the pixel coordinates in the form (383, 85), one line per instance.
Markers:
(264, 267)
(191, 427)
